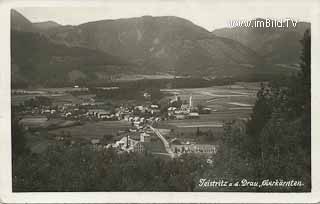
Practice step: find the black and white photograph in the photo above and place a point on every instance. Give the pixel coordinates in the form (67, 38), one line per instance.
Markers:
(161, 96)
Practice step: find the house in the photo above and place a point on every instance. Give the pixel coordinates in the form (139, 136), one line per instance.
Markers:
(139, 147)
(95, 112)
(144, 137)
(194, 148)
(178, 111)
(193, 115)
(205, 148)
(95, 141)
(153, 106)
(185, 107)
(155, 111)
(137, 123)
(133, 130)
(140, 108)
(103, 114)
(126, 117)
(126, 144)
(172, 108)
(180, 117)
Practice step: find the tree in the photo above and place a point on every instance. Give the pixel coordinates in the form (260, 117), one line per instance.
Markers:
(18, 140)
(279, 129)
(261, 114)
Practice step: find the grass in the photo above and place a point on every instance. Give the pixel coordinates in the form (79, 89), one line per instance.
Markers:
(91, 130)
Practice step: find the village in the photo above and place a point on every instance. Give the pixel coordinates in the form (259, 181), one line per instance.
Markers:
(141, 120)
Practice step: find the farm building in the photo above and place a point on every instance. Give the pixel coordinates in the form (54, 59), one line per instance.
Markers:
(194, 148)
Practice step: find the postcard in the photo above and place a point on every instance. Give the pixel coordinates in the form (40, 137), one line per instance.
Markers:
(159, 101)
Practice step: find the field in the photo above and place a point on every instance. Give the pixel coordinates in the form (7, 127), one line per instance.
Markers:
(40, 122)
(92, 130)
(227, 102)
(240, 96)
(57, 98)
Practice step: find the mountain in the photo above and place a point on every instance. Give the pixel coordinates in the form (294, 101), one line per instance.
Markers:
(275, 45)
(20, 23)
(105, 49)
(46, 25)
(37, 61)
(160, 44)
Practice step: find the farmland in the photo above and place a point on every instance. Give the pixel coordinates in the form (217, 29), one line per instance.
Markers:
(91, 130)
(226, 102)
(240, 96)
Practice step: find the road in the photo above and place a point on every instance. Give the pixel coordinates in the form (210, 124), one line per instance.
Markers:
(163, 140)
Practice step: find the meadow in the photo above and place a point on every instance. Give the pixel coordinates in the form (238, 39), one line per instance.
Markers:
(227, 102)
(93, 130)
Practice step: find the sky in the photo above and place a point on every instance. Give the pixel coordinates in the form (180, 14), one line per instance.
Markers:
(208, 14)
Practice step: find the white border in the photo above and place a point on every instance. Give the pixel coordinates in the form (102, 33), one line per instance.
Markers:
(6, 195)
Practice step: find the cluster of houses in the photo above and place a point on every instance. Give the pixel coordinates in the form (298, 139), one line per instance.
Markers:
(140, 145)
(91, 110)
(180, 111)
(102, 114)
(139, 116)
(66, 111)
(135, 114)
(125, 144)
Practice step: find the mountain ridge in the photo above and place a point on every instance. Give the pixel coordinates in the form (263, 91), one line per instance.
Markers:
(276, 45)
(155, 43)
(149, 45)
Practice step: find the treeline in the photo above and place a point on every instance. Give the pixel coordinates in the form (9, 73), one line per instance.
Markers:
(277, 142)
(80, 169)
(188, 82)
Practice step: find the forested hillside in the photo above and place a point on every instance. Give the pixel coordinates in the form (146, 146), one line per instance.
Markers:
(38, 61)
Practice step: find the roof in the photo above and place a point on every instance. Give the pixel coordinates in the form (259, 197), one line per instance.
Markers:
(145, 134)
